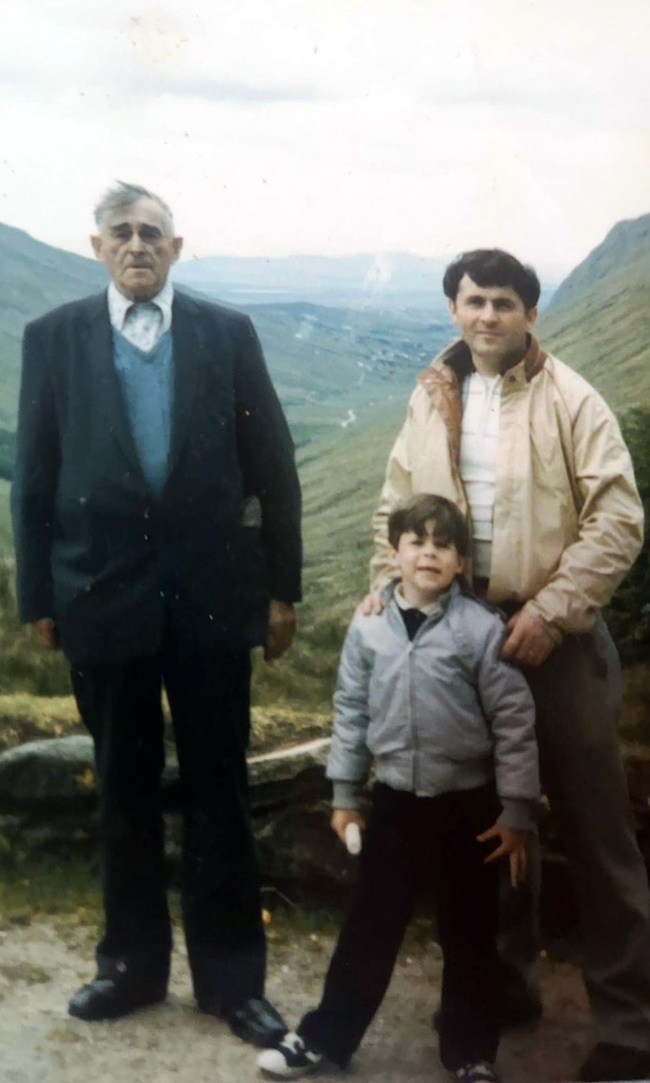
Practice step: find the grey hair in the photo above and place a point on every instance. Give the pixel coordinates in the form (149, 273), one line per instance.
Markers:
(125, 195)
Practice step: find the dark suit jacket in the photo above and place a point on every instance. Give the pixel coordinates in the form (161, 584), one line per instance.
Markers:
(94, 549)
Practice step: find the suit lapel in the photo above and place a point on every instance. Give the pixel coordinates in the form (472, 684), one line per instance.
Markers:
(98, 348)
(188, 346)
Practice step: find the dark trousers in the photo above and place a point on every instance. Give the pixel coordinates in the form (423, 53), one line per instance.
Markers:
(412, 844)
(209, 698)
(577, 693)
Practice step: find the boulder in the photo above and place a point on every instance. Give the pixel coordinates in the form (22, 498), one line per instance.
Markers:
(48, 805)
(48, 797)
(54, 772)
(299, 846)
(61, 772)
(288, 776)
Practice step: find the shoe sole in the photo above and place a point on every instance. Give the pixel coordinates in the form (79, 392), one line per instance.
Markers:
(291, 1073)
(117, 1013)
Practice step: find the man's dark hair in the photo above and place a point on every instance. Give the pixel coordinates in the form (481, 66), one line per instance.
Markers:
(449, 525)
(490, 267)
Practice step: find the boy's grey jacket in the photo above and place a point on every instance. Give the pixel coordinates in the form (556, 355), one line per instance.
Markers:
(441, 712)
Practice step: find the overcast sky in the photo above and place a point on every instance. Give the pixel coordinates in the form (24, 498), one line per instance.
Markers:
(332, 126)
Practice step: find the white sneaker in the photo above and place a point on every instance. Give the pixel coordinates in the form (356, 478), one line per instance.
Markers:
(291, 1059)
(480, 1072)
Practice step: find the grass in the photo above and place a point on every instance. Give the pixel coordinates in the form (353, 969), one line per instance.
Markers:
(67, 894)
(31, 718)
(24, 717)
(6, 543)
(50, 886)
(341, 479)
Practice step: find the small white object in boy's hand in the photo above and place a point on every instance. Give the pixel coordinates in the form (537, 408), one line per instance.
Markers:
(353, 839)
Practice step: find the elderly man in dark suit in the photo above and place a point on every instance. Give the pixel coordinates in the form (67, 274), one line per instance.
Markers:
(156, 515)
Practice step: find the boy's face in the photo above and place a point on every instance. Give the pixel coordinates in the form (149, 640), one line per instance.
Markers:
(427, 566)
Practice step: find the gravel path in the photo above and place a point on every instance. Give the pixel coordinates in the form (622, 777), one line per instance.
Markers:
(43, 963)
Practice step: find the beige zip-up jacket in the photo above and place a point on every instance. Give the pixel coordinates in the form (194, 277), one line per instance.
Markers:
(568, 521)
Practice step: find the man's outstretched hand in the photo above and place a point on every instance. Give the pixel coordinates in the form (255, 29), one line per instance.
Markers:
(280, 631)
(46, 633)
(527, 641)
(512, 845)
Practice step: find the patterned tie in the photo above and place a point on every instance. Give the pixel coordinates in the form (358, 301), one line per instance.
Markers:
(142, 325)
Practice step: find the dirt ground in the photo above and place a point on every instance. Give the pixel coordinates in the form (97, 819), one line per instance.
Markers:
(43, 963)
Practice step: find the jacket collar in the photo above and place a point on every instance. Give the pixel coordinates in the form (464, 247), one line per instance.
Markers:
(443, 377)
(389, 594)
(456, 361)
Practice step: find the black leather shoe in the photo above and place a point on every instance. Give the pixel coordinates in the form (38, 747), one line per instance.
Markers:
(608, 1061)
(256, 1021)
(104, 998)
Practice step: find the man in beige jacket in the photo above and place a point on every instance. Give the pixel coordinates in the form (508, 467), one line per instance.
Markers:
(534, 457)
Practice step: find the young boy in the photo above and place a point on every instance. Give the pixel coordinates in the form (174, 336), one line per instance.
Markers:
(423, 689)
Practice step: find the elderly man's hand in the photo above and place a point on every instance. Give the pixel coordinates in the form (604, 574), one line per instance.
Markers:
(281, 629)
(46, 633)
(527, 641)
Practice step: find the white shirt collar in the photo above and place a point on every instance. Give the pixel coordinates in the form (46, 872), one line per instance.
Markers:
(119, 305)
(403, 604)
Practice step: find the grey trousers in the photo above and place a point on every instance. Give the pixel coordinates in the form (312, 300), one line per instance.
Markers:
(577, 694)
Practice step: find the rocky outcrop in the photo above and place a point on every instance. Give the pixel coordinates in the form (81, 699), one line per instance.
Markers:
(60, 773)
(48, 801)
(55, 772)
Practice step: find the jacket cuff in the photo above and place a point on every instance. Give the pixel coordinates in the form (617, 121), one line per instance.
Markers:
(552, 629)
(346, 794)
(519, 813)
(283, 591)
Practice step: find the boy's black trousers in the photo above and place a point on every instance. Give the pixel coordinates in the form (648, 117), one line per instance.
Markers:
(209, 698)
(413, 844)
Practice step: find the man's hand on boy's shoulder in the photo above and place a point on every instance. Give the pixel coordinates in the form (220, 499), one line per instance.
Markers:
(513, 845)
(370, 606)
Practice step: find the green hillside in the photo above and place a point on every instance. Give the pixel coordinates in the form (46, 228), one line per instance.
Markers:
(34, 278)
(599, 318)
(6, 544)
(344, 376)
(341, 479)
(325, 362)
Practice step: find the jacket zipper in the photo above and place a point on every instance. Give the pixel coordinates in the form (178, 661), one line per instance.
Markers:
(413, 723)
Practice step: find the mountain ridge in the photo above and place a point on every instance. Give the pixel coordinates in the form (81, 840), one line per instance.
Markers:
(599, 319)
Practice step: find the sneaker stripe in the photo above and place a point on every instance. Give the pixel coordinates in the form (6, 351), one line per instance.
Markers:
(290, 1059)
(479, 1072)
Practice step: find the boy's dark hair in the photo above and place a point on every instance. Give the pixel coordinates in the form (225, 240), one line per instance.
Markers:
(490, 267)
(449, 523)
